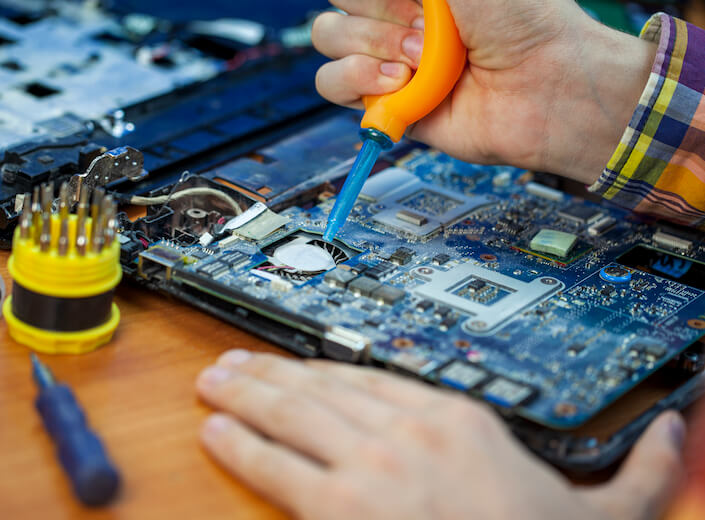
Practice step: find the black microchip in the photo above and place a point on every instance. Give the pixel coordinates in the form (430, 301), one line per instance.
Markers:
(373, 322)
(389, 295)
(442, 311)
(380, 270)
(199, 254)
(360, 268)
(334, 302)
(575, 349)
(655, 352)
(579, 213)
(441, 259)
(424, 306)
(476, 285)
(235, 259)
(364, 286)
(448, 323)
(314, 310)
(213, 269)
(339, 277)
(402, 256)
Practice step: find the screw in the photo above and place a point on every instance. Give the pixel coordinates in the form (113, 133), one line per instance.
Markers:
(425, 270)
(478, 325)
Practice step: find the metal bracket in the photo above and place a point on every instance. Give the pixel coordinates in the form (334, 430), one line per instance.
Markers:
(121, 163)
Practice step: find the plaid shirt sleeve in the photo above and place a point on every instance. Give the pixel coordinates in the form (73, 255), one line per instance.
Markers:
(659, 165)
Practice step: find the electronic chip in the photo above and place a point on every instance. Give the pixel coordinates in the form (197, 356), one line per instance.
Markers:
(580, 214)
(412, 363)
(506, 393)
(441, 259)
(339, 277)
(461, 376)
(402, 256)
(412, 218)
(235, 259)
(213, 269)
(364, 286)
(389, 295)
(552, 242)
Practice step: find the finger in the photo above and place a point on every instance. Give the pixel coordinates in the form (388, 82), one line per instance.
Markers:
(393, 389)
(336, 36)
(345, 81)
(286, 417)
(295, 377)
(281, 475)
(651, 473)
(403, 12)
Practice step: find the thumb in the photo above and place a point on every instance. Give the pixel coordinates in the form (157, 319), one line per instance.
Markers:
(644, 485)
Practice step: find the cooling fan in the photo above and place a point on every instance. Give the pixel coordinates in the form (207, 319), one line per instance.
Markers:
(302, 256)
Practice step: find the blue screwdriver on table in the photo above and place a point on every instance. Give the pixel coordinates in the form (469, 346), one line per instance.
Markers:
(387, 117)
(93, 476)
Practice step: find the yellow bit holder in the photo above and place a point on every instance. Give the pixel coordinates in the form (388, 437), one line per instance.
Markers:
(71, 279)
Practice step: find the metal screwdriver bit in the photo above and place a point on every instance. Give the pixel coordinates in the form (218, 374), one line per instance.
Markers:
(26, 219)
(36, 214)
(45, 235)
(81, 238)
(109, 222)
(63, 245)
(98, 194)
(47, 197)
(64, 201)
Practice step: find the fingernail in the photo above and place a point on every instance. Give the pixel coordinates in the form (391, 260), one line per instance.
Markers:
(236, 357)
(412, 46)
(418, 23)
(677, 431)
(393, 70)
(215, 425)
(214, 376)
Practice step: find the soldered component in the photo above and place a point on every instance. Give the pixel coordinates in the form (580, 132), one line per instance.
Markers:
(672, 242)
(580, 214)
(557, 243)
(441, 259)
(339, 278)
(364, 286)
(506, 393)
(602, 226)
(381, 270)
(402, 256)
(462, 376)
(388, 295)
(411, 217)
(539, 190)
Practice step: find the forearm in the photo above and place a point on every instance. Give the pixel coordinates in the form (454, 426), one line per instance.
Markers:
(605, 74)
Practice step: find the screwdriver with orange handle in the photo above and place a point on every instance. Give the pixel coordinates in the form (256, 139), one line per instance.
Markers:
(387, 117)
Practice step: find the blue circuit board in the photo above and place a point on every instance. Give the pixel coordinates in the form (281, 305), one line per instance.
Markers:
(439, 278)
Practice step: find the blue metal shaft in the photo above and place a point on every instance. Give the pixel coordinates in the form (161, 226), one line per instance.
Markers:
(93, 476)
(373, 142)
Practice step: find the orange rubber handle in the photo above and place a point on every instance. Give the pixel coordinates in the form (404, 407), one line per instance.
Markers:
(442, 63)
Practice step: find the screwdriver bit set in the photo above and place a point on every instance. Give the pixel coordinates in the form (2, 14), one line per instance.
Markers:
(65, 267)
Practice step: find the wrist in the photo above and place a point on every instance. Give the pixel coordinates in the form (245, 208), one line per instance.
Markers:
(605, 73)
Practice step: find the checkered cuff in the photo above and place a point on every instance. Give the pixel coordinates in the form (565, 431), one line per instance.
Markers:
(659, 165)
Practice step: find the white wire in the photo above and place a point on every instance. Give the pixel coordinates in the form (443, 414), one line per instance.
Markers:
(191, 192)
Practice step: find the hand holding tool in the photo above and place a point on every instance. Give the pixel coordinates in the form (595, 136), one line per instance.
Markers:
(387, 117)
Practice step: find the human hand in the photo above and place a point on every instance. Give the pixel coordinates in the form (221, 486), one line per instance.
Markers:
(332, 441)
(546, 88)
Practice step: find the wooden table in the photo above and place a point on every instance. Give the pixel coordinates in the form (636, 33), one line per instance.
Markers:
(139, 394)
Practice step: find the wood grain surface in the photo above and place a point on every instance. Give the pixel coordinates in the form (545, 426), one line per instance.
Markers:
(139, 394)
